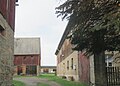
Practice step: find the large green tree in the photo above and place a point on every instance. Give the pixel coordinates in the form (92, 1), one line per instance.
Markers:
(95, 28)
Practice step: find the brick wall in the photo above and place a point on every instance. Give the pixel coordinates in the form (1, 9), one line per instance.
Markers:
(6, 53)
(65, 51)
(84, 66)
(69, 70)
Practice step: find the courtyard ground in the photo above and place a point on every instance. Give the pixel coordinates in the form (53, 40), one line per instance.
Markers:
(46, 80)
(34, 81)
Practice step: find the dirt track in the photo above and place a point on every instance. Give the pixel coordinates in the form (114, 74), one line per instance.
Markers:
(33, 81)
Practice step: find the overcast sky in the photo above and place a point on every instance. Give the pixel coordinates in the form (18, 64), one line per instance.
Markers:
(37, 18)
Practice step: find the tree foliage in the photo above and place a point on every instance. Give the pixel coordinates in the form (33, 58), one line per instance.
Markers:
(95, 24)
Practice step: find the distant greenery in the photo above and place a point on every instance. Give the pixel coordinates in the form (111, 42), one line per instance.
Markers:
(18, 83)
(62, 82)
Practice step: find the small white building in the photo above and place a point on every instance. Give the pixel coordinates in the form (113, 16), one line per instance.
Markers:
(48, 69)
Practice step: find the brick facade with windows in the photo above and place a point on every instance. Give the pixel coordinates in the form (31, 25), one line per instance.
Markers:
(72, 65)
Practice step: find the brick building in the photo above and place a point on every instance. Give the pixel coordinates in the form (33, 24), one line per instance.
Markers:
(75, 65)
(27, 56)
(72, 65)
(7, 24)
(116, 59)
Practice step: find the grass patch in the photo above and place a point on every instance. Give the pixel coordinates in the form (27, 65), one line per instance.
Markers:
(18, 83)
(19, 76)
(63, 82)
(42, 84)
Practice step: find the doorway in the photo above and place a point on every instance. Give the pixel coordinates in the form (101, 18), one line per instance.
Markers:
(19, 70)
(31, 70)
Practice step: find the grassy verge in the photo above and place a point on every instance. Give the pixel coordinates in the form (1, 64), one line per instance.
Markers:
(19, 76)
(63, 82)
(42, 84)
(18, 83)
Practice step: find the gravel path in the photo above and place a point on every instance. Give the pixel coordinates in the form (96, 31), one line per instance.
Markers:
(33, 81)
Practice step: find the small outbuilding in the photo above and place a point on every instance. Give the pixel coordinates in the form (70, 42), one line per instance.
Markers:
(27, 56)
(48, 69)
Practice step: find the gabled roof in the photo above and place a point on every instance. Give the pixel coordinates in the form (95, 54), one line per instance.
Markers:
(64, 36)
(26, 46)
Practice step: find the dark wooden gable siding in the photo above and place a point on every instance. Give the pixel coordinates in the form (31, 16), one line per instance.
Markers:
(3, 5)
(11, 14)
(8, 11)
(27, 60)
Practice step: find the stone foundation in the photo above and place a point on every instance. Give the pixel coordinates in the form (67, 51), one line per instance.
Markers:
(6, 53)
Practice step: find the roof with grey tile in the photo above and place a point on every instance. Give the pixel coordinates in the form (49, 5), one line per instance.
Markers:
(26, 46)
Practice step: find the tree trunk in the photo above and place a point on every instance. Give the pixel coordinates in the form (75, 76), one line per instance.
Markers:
(100, 69)
(99, 59)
